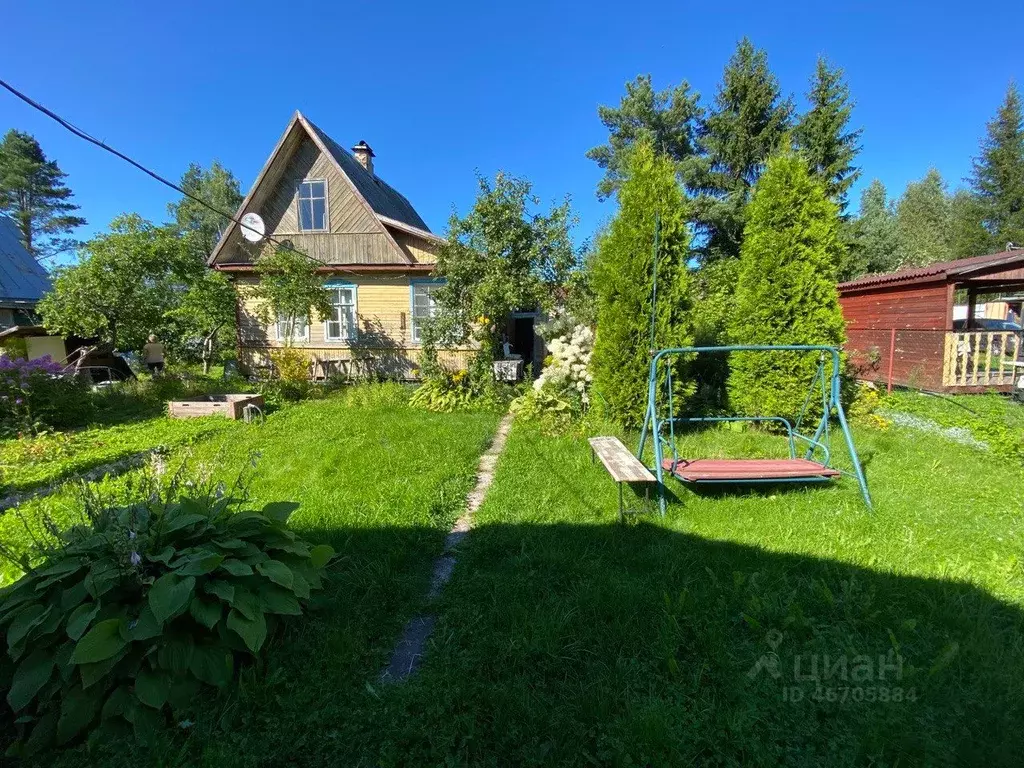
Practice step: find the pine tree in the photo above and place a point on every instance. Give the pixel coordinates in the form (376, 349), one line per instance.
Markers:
(218, 187)
(872, 239)
(668, 119)
(622, 281)
(998, 174)
(923, 222)
(823, 134)
(786, 291)
(748, 123)
(33, 193)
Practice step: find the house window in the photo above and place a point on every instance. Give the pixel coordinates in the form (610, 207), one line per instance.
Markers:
(341, 322)
(424, 305)
(313, 206)
(292, 328)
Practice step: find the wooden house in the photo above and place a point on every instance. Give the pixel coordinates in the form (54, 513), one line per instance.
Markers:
(901, 328)
(23, 281)
(377, 258)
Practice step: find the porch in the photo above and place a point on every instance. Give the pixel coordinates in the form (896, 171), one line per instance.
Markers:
(987, 359)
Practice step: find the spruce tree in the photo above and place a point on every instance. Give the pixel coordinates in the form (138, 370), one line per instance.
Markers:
(968, 235)
(33, 193)
(786, 292)
(998, 174)
(622, 282)
(823, 134)
(668, 119)
(748, 122)
(923, 217)
(872, 239)
(220, 189)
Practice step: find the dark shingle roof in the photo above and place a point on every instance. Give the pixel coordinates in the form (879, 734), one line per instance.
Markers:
(939, 270)
(382, 197)
(22, 278)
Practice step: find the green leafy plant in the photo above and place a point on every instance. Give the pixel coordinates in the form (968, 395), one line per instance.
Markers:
(129, 614)
(35, 396)
(445, 391)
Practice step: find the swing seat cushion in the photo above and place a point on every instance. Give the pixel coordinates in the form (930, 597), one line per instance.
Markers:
(744, 470)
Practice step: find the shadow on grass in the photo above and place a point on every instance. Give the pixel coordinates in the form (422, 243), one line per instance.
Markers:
(623, 645)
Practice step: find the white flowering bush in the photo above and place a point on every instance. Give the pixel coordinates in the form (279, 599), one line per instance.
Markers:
(562, 391)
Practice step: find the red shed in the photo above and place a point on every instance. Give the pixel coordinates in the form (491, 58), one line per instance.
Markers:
(900, 326)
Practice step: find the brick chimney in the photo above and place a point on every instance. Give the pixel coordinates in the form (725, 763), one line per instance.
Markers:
(364, 155)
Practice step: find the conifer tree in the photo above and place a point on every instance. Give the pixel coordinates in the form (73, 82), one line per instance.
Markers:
(923, 222)
(873, 242)
(823, 134)
(748, 122)
(622, 282)
(668, 119)
(998, 173)
(786, 290)
(33, 193)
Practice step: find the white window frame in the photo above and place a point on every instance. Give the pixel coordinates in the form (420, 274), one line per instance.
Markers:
(351, 334)
(298, 205)
(414, 332)
(283, 338)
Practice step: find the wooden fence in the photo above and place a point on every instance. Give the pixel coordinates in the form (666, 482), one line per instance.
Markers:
(981, 358)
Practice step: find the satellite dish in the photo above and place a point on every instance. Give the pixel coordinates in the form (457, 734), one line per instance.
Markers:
(253, 227)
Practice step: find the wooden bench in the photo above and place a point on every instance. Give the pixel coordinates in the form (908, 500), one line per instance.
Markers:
(622, 465)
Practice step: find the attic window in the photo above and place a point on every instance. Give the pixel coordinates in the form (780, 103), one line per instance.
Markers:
(313, 206)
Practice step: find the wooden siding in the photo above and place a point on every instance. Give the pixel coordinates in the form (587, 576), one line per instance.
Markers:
(913, 306)
(384, 329)
(419, 250)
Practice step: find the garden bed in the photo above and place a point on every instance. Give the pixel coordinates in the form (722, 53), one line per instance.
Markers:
(230, 406)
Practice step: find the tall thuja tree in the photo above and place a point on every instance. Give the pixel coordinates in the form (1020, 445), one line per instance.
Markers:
(622, 280)
(823, 133)
(216, 186)
(749, 119)
(667, 119)
(873, 244)
(786, 293)
(33, 193)
(923, 218)
(998, 173)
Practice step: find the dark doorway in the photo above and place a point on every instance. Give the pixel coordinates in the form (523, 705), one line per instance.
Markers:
(522, 338)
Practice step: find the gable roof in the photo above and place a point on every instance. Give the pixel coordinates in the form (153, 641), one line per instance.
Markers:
(940, 271)
(22, 278)
(389, 208)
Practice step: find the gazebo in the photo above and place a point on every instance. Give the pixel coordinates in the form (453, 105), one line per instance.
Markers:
(901, 329)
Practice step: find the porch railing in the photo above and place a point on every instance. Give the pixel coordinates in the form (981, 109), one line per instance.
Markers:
(981, 358)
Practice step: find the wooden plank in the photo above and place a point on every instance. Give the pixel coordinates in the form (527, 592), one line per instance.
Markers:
(622, 465)
(949, 360)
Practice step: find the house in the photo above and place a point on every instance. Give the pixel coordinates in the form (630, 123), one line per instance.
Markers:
(903, 327)
(377, 258)
(23, 281)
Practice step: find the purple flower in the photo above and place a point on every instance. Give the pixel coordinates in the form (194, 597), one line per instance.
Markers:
(136, 558)
(18, 401)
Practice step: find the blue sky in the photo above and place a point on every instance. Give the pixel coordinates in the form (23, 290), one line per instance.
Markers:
(444, 89)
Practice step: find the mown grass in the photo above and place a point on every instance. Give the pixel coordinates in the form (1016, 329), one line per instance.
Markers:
(567, 639)
(379, 481)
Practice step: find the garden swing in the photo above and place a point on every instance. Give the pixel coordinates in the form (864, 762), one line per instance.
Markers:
(806, 469)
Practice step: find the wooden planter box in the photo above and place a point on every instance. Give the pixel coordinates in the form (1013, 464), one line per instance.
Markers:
(231, 406)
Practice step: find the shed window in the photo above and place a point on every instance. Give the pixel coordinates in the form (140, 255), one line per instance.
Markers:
(341, 323)
(291, 328)
(424, 306)
(313, 206)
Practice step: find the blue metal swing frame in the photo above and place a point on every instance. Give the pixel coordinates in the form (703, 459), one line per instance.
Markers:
(830, 403)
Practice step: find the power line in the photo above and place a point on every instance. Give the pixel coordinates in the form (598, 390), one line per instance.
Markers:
(68, 125)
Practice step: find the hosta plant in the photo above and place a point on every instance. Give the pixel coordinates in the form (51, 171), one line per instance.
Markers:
(124, 618)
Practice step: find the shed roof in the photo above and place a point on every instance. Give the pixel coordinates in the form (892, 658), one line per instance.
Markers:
(22, 278)
(938, 272)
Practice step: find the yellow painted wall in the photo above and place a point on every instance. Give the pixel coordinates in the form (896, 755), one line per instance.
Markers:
(384, 342)
(41, 346)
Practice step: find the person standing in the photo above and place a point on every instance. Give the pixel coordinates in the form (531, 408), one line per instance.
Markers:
(153, 355)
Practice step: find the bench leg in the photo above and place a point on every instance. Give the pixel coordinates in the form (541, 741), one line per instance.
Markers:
(620, 502)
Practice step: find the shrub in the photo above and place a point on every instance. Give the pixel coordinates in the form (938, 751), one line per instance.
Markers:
(562, 392)
(34, 396)
(129, 614)
(786, 293)
(444, 391)
(622, 280)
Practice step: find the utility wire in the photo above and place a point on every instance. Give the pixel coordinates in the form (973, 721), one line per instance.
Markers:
(93, 140)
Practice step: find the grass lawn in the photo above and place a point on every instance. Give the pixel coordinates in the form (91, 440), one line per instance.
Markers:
(740, 629)
(567, 639)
